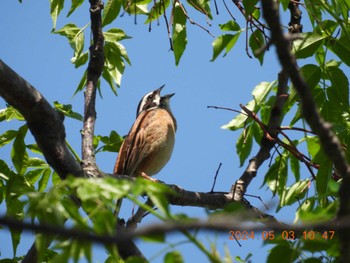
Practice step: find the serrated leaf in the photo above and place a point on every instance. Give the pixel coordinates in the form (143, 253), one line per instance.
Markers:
(179, 34)
(56, 7)
(110, 11)
(19, 154)
(222, 42)
(7, 137)
(75, 4)
(257, 43)
(308, 45)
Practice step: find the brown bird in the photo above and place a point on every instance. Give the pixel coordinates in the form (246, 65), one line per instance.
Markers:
(150, 141)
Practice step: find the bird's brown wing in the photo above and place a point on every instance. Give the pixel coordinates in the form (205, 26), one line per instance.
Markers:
(133, 149)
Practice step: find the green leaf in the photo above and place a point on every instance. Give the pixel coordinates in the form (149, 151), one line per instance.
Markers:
(157, 10)
(44, 179)
(66, 109)
(10, 113)
(281, 251)
(222, 42)
(115, 35)
(249, 6)
(75, 37)
(230, 26)
(295, 167)
(7, 137)
(112, 142)
(202, 6)
(308, 45)
(294, 193)
(75, 5)
(244, 144)
(285, 4)
(338, 93)
(173, 257)
(314, 11)
(257, 43)
(324, 174)
(82, 83)
(179, 32)
(56, 7)
(311, 74)
(259, 93)
(19, 154)
(110, 11)
(80, 60)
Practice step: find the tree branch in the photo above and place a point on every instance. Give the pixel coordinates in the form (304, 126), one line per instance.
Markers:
(44, 122)
(329, 141)
(219, 223)
(94, 71)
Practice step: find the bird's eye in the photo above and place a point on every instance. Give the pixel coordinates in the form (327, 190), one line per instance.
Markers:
(150, 97)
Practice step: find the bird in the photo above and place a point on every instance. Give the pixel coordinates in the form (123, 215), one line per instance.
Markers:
(150, 141)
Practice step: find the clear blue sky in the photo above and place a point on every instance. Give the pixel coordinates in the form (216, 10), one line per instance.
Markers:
(43, 59)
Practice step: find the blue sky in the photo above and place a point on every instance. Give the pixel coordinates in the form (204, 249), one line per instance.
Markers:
(43, 59)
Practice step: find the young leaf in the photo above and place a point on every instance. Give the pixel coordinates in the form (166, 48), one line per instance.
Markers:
(7, 137)
(110, 11)
(56, 7)
(294, 193)
(66, 109)
(75, 5)
(256, 43)
(226, 41)
(179, 32)
(19, 154)
(230, 26)
(115, 35)
(244, 144)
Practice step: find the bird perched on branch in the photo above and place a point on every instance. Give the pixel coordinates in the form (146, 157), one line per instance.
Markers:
(150, 142)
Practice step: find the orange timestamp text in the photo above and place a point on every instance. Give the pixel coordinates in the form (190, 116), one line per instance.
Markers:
(281, 235)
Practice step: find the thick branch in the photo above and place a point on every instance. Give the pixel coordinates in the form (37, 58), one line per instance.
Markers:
(45, 123)
(329, 141)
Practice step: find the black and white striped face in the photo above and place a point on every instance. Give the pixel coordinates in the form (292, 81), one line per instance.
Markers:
(153, 100)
